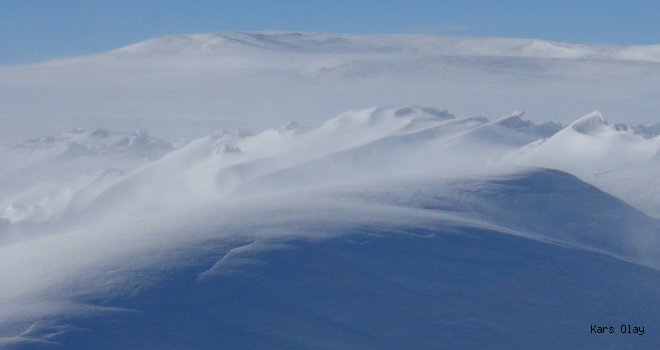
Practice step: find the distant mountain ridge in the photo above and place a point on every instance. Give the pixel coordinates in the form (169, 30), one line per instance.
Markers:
(217, 43)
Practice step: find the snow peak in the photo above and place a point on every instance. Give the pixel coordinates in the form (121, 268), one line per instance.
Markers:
(625, 329)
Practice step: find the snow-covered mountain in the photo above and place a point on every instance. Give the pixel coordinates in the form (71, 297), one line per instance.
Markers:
(185, 85)
(387, 227)
(221, 43)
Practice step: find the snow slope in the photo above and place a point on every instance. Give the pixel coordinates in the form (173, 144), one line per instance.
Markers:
(182, 86)
(620, 160)
(386, 227)
(119, 246)
(426, 44)
(413, 263)
(359, 145)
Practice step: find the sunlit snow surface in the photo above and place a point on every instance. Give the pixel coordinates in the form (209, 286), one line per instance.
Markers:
(398, 226)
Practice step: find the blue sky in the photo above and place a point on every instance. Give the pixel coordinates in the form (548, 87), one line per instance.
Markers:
(33, 30)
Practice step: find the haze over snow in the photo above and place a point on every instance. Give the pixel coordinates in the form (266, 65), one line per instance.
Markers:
(377, 219)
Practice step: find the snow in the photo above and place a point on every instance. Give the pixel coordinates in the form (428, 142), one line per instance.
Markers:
(220, 43)
(591, 124)
(187, 85)
(98, 142)
(423, 256)
(391, 226)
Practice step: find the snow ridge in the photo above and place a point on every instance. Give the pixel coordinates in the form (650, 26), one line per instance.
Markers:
(216, 43)
(223, 220)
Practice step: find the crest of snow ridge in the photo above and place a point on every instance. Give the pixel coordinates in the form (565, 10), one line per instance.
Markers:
(360, 144)
(216, 43)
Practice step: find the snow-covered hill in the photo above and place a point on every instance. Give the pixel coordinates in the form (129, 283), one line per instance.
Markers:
(394, 264)
(185, 85)
(358, 145)
(255, 236)
(221, 43)
(395, 226)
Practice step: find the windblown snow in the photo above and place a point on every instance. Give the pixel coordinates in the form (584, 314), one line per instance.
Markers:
(388, 227)
(186, 85)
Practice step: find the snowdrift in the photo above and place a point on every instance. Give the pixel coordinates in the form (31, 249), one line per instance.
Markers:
(185, 85)
(385, 227)
(412, 263)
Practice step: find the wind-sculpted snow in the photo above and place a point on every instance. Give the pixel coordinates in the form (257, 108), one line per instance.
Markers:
(184, 86)
(619, 160)
(397, 226)
(352, 144)
(348, 266)
(44, 176)
(303, 236)
(360, 145)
